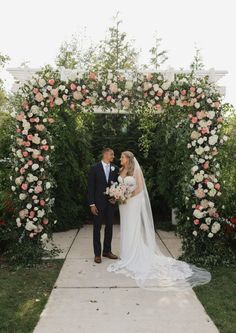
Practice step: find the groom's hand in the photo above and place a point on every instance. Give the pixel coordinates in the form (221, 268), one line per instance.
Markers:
(94, 210)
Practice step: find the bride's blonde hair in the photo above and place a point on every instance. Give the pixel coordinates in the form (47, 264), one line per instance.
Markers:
(130, 156)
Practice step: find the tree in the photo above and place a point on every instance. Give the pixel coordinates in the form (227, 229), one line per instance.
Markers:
(197, 63)
(76, 54)
(3, 60)
(116, 51)
(158, 56)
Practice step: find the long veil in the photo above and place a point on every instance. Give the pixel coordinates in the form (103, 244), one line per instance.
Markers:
(161, 272)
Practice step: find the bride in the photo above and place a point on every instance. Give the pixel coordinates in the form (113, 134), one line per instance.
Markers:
(141, 257)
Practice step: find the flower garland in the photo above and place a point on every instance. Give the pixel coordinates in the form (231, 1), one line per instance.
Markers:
(38, 97)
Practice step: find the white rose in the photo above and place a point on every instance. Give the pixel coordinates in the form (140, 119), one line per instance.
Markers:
(35, 166)
(58, 101)
(13, 188)
(155, 87)
(166, 85)
(34, 109)
(197, 105)
(128, 85)
(200, 141)
(199, 150)
(48, 185)
(22, 196)
(210, 235)
(19, 180)
(41, 213)
(29, 206)
(42, 83)
(213, 140)
(198, 177)
(215, 227)
(212, 192)
(211, 114)
(30, 226)
(44, 237)
(208, 220)
(195, 233)
(197, 213)
(36, 139)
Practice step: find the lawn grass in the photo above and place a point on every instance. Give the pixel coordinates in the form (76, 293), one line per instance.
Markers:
(219, 298)
(23, 295)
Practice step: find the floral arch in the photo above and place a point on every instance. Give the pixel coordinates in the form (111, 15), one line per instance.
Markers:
(38, 98)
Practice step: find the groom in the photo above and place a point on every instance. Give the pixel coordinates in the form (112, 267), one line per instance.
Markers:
(101, 176)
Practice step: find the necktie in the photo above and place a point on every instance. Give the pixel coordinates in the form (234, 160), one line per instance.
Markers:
(107, 172)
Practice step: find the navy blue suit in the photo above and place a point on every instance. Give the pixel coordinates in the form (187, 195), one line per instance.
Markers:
(97, 185)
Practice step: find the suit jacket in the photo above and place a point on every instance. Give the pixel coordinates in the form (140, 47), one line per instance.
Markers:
(97, 184)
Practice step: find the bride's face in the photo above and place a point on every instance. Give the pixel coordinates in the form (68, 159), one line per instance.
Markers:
(124, 161)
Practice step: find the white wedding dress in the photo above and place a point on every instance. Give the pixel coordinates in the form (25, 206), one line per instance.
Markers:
(141, 257)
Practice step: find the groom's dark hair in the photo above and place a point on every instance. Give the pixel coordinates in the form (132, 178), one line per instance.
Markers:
(106, 150)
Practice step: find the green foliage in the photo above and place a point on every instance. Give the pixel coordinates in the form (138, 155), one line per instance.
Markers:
(158, 57)
(115, 51)
(227, 157)
(73, 53)
(72, 159)
(197, 63)
(7, 224)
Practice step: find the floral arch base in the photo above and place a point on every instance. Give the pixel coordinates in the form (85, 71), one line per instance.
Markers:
(38, 100)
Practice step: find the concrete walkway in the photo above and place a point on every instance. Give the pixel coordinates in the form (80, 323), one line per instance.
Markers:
(88, 299)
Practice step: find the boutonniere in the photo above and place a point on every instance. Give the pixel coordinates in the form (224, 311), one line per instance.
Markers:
(112, 168)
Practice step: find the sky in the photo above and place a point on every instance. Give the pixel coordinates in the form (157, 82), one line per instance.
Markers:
(33, 31)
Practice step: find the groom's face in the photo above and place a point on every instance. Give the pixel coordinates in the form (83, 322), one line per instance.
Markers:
(109, 156)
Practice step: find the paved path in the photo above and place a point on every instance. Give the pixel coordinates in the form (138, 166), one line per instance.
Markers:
(88, 299)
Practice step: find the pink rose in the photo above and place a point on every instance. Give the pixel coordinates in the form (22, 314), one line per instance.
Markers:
(45, 221)
(42, 202)
(172, 102)
(196, 221)
(39, 97)
(206, 165)
(194, 120)
(20, 116)
(183, 92)
(149, 76)
(24, 186)
(73, 86)
(51, 82)
(217, 186)
(92, 76)
(40, 127)
(25, 153)
(32, 214)
(22, 170)
(30, 162)
(30, 137)
(205, 130)
(54, 92)
(40, 158)
(18, 130)
(109, 98)
(35, 90)
(217, 105)
(192, 89)
(25, 105)
(38, 189)
(72, 106)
